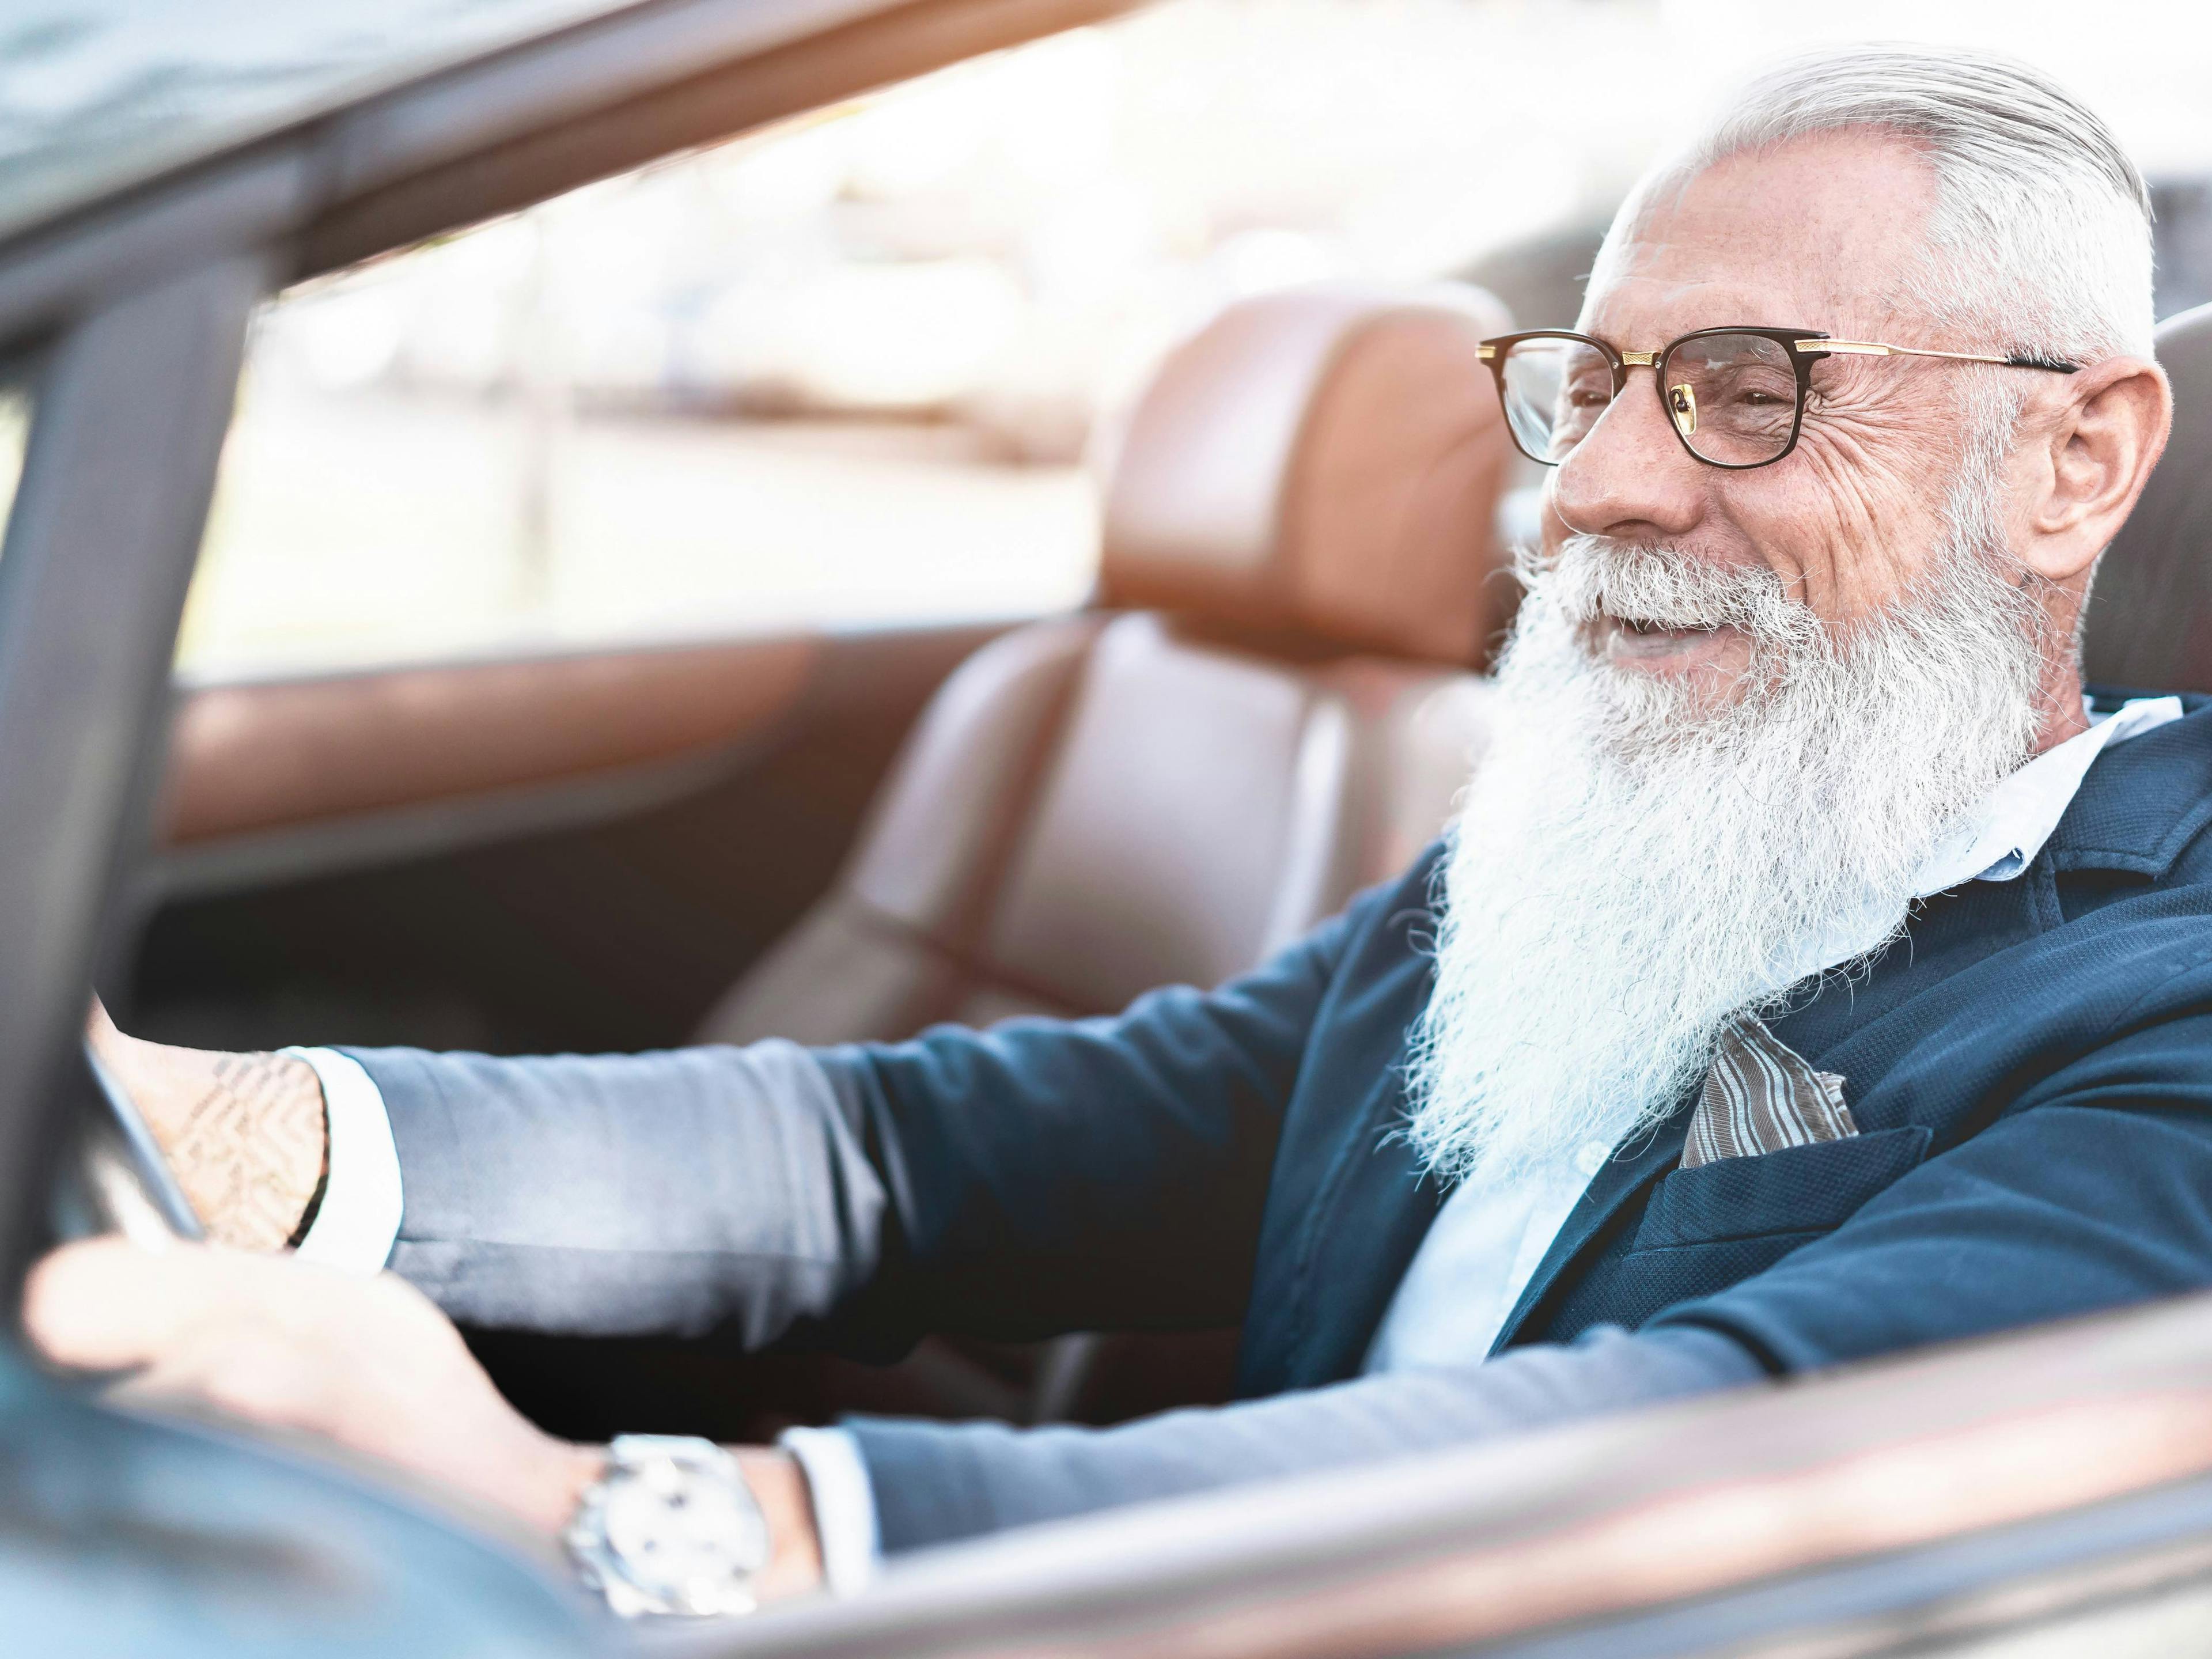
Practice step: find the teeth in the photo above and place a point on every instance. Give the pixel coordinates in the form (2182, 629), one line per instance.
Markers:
(1648, 625)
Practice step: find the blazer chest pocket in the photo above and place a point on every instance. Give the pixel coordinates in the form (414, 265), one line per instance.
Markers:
(1795, 1189)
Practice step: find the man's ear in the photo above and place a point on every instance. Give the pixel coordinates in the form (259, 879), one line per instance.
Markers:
(2092, 464)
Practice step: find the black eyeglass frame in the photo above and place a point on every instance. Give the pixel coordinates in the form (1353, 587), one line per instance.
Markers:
(1806, 347)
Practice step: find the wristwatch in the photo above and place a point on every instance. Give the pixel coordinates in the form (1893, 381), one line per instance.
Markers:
(670, 1527)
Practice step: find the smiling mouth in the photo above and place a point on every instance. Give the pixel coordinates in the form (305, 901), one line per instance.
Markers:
(1642, 637)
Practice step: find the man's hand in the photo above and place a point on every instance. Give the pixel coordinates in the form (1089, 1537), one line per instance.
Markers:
(244, 1134)
(368, 1363)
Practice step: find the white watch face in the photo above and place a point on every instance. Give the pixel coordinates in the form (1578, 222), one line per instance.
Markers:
(679, 1532)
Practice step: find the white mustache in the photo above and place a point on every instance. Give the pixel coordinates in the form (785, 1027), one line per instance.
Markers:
(1592, 578)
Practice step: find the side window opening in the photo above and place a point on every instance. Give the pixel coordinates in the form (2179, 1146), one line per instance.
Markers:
(849, 369)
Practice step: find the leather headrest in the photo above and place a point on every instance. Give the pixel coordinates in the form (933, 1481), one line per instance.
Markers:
(2150, 611)
(1325, 462)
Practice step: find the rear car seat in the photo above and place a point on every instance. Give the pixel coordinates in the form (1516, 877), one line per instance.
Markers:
(2148, 627)
(1272, 706)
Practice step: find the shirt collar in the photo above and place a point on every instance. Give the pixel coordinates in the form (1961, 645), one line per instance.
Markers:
(2002, 838)
(1999, 839)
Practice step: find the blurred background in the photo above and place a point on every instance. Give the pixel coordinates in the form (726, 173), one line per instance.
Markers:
(848, 370)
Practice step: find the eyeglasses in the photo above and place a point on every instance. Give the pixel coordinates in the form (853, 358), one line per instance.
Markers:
(1735, 397)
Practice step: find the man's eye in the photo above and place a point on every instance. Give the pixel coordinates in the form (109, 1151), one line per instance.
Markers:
(1750, 391)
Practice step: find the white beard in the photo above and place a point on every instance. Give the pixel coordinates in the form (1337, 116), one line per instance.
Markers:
(1636, 864)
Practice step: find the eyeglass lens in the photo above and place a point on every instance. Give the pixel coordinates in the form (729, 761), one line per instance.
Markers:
(1733, 397)
(1555, 390)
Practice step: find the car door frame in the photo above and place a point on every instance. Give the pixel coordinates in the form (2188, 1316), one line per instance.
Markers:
(134, 316)
(136, 309)
(128, 414)
(137, 304)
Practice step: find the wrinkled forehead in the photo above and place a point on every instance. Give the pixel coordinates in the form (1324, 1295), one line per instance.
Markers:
(1822, 233)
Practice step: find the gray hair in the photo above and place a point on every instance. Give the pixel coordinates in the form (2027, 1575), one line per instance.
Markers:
(2039, 241)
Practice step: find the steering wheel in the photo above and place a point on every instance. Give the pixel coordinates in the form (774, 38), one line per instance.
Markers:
(115, 1179)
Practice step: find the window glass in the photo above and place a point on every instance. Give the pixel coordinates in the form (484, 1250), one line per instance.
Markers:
(96, 93)
(432, 458)
(14, 436)
(849, 369)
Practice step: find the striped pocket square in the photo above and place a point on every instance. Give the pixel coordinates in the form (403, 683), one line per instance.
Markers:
(1760, 1096)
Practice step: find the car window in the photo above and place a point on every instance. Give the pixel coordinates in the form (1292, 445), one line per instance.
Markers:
(677, 403)
(96, 93)
(849, 369)
(540, 433)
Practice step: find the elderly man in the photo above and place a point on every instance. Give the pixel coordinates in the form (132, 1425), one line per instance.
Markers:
(1810, 974)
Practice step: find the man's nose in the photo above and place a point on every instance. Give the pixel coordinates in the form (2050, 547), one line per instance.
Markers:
(1629, 475)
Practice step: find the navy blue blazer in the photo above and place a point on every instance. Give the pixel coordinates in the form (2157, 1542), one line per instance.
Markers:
(2030, 1068)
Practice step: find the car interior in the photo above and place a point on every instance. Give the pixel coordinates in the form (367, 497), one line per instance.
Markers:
(2149, 622)
(1995, 1477)
(1269, 705)
(1271, 700)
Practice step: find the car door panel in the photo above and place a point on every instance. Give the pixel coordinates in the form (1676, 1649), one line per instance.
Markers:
(580, 853)
(258, 755)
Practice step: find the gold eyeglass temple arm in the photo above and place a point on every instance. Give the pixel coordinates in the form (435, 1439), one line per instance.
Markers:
(1875, 348)
(1853, 348)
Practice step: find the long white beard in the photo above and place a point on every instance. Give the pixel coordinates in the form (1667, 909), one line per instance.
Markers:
(1635, 865)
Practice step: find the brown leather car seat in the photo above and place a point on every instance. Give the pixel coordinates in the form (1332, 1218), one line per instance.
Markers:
(2149, 625)
(1271, 706)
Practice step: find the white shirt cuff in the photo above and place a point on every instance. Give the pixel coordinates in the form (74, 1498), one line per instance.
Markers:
(358, 1221)
(844, 1504)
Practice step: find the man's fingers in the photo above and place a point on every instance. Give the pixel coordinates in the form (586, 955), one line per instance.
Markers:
(369, 1364)
(104, 1304)
(251, 1371)
(107, 1041)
